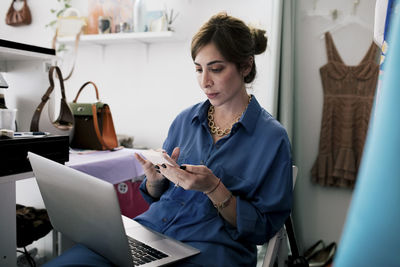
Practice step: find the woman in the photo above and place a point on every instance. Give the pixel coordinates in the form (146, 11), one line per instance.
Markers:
(228, 186)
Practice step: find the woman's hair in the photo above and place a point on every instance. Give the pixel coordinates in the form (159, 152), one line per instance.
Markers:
(236, 41)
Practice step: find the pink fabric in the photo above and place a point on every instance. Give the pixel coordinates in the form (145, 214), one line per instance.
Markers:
(130, 200)
(119, 168)
(111, 166)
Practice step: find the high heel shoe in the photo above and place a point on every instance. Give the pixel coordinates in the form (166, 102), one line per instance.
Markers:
(313, 249)
(323, 256)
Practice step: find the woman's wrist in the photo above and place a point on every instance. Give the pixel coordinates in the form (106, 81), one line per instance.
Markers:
(156, 188)
(220, 196)
(155, 183)
(213, 188)
(223, 204)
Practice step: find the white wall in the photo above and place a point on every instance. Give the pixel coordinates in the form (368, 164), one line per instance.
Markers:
(147, 91)
(320, 212)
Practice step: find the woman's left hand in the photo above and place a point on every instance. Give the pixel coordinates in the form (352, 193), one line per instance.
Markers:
(201, 178)
(189, 177)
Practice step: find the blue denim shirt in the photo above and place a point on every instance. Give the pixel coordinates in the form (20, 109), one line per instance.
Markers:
(254, 162)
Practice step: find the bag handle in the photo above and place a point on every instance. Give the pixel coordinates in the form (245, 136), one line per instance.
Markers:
(36, 115)
(83, 86)
(108, 125)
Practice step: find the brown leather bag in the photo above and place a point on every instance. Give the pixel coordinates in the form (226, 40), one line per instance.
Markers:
(18, 17)
(64, 124)
(94, 127)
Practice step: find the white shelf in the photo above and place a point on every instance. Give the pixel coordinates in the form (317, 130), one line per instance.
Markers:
(12, 51)
(120, 38)
(10, 54)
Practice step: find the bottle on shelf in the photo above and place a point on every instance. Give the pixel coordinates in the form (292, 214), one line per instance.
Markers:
(139, 16)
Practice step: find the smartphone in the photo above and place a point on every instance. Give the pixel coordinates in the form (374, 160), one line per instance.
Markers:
(155, 157)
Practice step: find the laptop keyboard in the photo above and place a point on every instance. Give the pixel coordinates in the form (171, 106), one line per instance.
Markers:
(142, 253)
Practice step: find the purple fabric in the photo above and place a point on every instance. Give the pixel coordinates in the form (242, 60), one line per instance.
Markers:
(112, 166)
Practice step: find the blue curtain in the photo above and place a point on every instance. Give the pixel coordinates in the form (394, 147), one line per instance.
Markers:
(371, 236)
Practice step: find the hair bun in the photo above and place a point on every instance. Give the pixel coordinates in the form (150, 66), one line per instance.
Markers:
(260, 40)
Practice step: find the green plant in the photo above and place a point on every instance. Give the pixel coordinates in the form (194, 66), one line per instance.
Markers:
(64, 5)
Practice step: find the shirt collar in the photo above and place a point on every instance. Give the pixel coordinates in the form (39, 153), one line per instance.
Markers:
(248, 120)
(200, 112)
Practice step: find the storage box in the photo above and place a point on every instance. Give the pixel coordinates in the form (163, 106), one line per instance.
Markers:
(13, 152)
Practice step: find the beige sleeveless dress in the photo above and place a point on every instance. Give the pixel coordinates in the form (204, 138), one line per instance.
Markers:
(348, 97)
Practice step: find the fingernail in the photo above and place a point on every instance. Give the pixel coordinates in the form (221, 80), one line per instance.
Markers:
(164, 166)
(158, 171)
(157, 167)
(183, 167)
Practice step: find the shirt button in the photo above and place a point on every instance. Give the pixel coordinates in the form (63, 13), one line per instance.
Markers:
(164, 219)
(202, 162)
(182, 203)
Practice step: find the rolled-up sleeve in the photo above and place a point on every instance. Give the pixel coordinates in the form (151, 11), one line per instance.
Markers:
(261, 215)
(143, 190)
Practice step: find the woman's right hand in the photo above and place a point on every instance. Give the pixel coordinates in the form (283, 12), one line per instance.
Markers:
(152, 174)
(149, 169)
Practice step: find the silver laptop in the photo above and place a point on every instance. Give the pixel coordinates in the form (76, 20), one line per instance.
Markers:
(86, 210)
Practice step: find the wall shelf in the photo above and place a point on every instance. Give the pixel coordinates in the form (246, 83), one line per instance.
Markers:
(120, 38)
(13, 51)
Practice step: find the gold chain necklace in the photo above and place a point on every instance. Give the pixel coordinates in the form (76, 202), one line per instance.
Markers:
(214, 129)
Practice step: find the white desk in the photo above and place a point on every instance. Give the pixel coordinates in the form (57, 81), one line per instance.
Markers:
(8, 221)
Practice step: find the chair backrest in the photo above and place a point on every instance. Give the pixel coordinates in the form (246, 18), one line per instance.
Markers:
(295, 171)
(275, 242)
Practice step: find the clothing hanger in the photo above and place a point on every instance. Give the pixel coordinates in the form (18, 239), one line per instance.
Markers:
(332, 14)
(329, 15)
(347, 20)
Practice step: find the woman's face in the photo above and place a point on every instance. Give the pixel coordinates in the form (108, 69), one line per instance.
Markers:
(220, 80)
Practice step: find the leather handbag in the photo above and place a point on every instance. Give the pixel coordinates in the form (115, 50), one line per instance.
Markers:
(94, 127)
(64, 124)
(18, 17)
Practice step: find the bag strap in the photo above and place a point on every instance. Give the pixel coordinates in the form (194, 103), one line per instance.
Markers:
(77, 37)
(96, 127)
(27, 13)
(36, 115)
(11, 9)
(83, 86)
